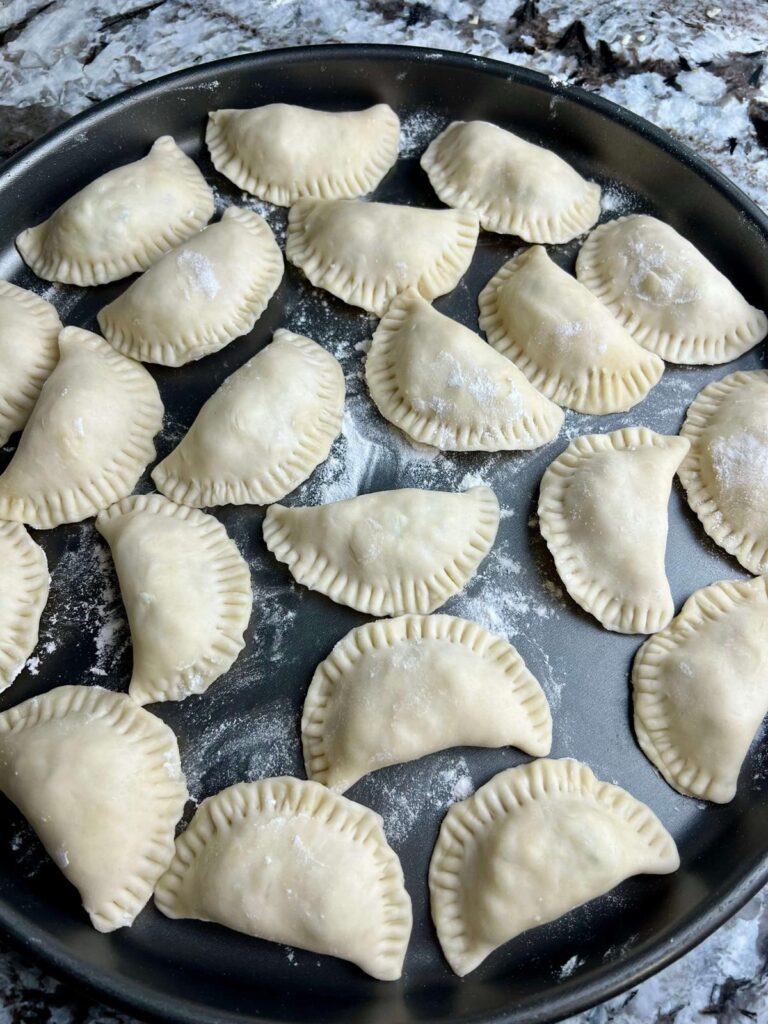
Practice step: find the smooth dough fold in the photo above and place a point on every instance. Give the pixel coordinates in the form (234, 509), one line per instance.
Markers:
(387, 553)
(263, 432)
(365, 253)
(725, 474)
(200, 296)
(397, 689)
(530, 845)
(88, 438)
(29, 350)
(515, 187)
(563, 338)
(603, 513)
(99, 780)
(187, 592)
(442, 385)
(121, 222)
(23, 594)
(670, 298)
(289, 861)
(282, 152)
(701, 688)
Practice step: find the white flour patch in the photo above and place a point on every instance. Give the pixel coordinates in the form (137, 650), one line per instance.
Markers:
(199, 274)
(417, 129)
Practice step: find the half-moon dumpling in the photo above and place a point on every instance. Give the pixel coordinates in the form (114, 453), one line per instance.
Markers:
(120, 223)
(701, 688)
(441, 384)
(99, 780)
(88, 439)
(725, 474)
(395, 690)
(281, 152)
(390, 552)
(516, 188)
(29, 349)
(187, 592)
(365, 253)
(666, 293)
(289, 861)
(263, 432)
(530, 845)
(603, 513)
(564, 339)
(198, 297)
(23, 594)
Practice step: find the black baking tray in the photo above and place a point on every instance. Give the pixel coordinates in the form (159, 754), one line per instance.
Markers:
(247, 725)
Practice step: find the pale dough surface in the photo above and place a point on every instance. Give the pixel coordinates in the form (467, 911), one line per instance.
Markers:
(24, 583)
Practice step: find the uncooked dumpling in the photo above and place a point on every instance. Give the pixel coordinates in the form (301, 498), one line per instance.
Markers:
(23, 593)
(263, 432)
(603, 513)
(666, 293)
(516, 188)
(387, 553)
(187, 591)
(701, 688)
(530, 845)
(725, 474)
(282, 152)
(398, 689)
(442, 385)
(120, 223)
(564, 339)
(99, 780)
(88, 439)
(291, 862)
(365, 253)
(198, 297)
(29, 349)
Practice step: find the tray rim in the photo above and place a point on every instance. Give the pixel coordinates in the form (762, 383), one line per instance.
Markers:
(111, 987)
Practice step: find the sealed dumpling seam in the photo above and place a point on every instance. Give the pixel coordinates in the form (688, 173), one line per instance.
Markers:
(22, 598)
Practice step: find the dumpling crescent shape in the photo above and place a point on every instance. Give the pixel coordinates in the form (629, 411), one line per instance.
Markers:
(200, 296)
(29, 349)
(289, 861)
(386, 553)
(282, 152)
(564, 339)
(187, 592)
(530, 845)
(365, 253)
(88, 438)
(725, 474)
(666, 293)
(99, 780)
(263, 432)
(122, 221)
(603, 513)
(701, 688)
(23, 594)
(397, 689)
(516, 188)
(442, 385)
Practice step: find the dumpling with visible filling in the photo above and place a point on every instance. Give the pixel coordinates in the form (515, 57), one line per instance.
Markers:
(123, 221)
(386, 553)
(667, 294)
(515, 187)
(603, 511)
(200, 296)
(442, 385)
(88, 439)
(281, 152)
(365, 253)
(289, 861)
(29, 350)
(263, 432)
(564, 339)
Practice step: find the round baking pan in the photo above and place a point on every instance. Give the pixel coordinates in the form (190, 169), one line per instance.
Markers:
(246, 726)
